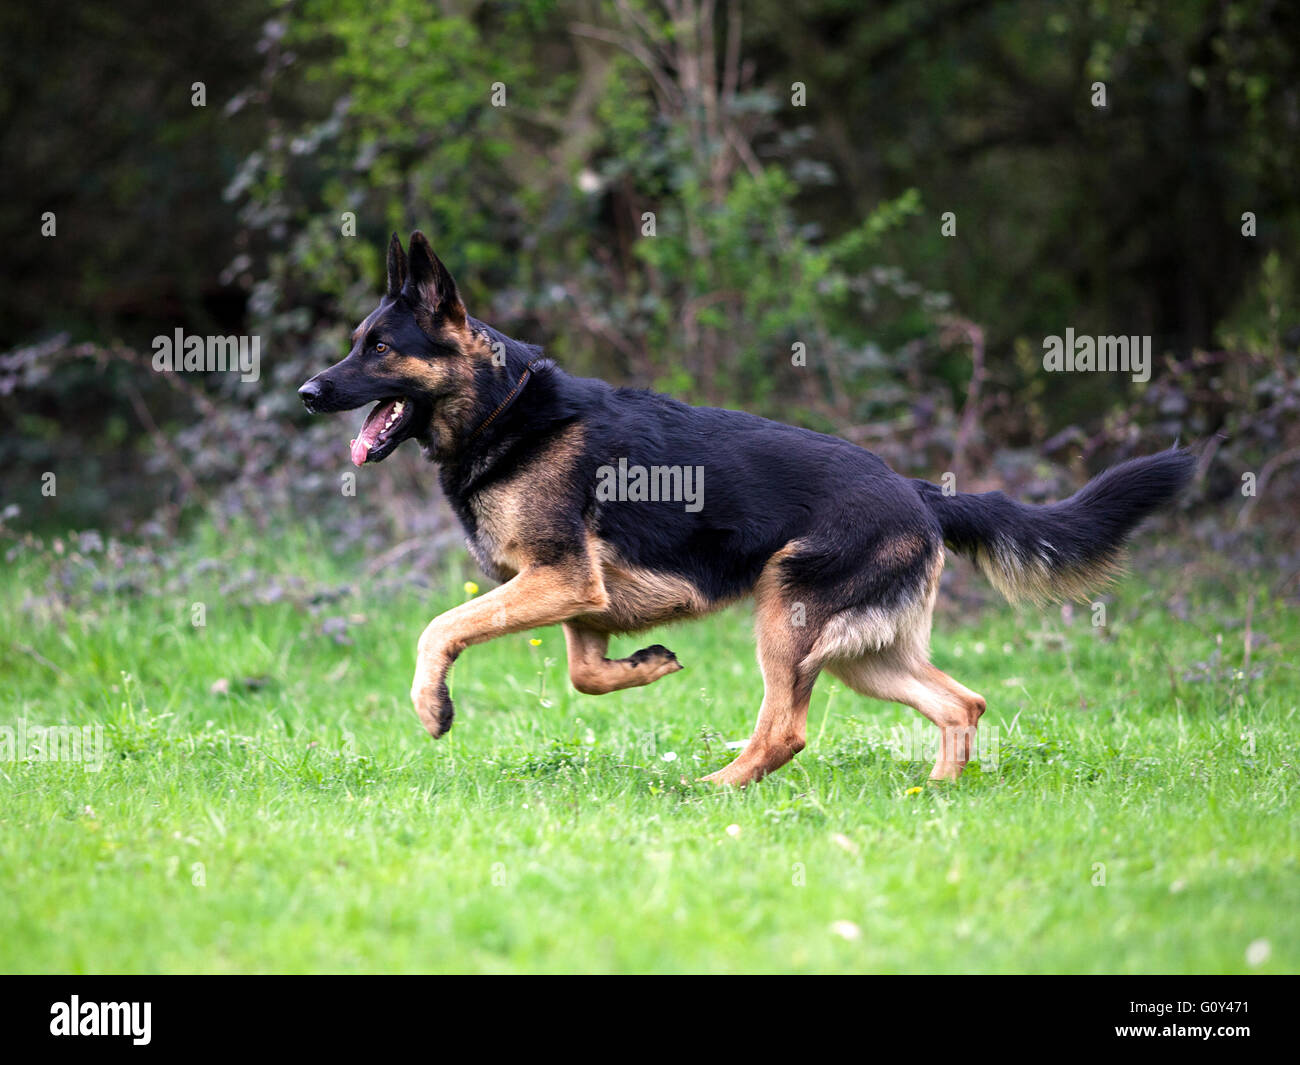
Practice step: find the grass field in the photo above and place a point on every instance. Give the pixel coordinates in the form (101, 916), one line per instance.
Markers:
(268, 801)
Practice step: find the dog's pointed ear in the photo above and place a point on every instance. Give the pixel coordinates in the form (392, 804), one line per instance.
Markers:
(396, 268)
(431, 283)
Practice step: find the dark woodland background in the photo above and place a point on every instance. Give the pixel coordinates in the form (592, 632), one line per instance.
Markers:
(775, 225)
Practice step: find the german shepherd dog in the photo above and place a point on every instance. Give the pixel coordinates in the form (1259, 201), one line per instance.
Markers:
(611, 510)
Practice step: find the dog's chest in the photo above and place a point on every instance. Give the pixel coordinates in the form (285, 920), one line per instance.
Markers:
(498, 532)
(517, 519)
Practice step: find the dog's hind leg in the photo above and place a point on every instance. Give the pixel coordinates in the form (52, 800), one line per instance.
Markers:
(594, 674)
(784, 640)
(886, 654)
(902, 678)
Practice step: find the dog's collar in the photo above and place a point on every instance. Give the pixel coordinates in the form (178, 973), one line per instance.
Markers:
(510, 398)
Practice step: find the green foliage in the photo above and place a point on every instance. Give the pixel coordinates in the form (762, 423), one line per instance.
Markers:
(782, 232)
(729, 269)
(1258, 322)
(739, 278)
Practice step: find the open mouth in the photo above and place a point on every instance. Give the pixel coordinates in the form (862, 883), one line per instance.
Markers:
(385, 427)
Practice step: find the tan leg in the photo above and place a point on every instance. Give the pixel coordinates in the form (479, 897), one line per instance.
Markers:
(594, 674)
(781, 730)
(954, 708)
(542, 595)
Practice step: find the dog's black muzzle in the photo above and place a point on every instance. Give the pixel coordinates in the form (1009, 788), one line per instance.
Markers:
(311, 394)
(329, 392)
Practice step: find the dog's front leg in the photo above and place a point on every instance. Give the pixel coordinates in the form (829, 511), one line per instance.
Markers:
(538, 595)
(594, 674)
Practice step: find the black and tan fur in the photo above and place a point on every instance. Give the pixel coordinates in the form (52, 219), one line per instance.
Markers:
(841, 555)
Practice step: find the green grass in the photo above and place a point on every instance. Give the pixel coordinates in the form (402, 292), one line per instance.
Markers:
(303, 821)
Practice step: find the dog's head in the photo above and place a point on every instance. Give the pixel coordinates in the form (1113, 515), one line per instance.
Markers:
(416, 356)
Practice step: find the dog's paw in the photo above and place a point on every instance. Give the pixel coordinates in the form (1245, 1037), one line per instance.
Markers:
(735, 775)
(434, 707)
(657, 658)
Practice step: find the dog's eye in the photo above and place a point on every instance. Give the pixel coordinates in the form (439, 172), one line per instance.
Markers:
(381, 348)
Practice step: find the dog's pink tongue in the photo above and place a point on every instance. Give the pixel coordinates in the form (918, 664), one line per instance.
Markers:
(374, 425)
(371, 429)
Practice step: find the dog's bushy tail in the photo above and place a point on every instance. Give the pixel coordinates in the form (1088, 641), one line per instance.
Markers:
(1063, 550)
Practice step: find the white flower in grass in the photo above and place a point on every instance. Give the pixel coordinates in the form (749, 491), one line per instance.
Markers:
(846, 930)
(1258, 953)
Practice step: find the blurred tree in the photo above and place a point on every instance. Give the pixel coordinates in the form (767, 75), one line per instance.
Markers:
(1123, 218)
(740, 203)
